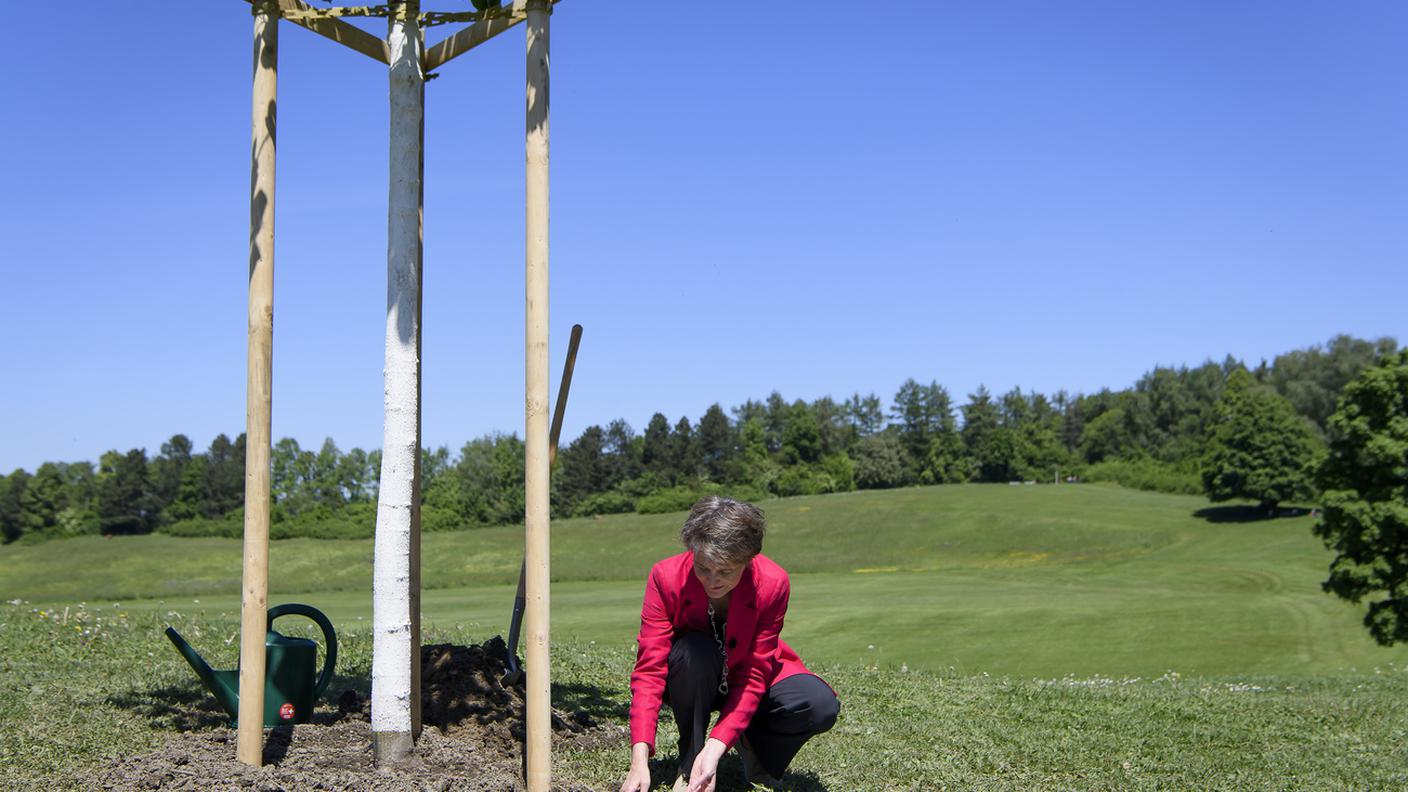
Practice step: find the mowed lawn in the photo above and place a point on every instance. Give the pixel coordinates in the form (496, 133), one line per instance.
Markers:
(1035, 581)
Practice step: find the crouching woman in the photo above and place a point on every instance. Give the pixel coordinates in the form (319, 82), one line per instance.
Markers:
(710, 641)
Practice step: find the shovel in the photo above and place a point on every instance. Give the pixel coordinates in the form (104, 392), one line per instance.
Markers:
(515, 625)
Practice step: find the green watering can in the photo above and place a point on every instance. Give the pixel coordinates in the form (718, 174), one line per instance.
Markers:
(290, 687)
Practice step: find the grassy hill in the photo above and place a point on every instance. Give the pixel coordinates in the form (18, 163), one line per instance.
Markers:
(1026, 580)
(983, 637)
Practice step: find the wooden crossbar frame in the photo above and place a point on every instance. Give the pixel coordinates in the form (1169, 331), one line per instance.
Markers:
(327, 23)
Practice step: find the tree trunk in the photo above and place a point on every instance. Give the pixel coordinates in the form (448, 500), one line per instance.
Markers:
(395, 653)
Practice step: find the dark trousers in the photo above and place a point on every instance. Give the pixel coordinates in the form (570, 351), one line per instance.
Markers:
(790, 713)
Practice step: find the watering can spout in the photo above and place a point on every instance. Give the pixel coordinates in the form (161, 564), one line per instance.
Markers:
(217, 682)
(193, 657)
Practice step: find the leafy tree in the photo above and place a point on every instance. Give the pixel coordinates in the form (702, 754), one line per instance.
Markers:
(125, 502)
(1364, 478)
(879, 462)
(910, 417)
(925, 427)
(191, 498)
(989, 445)
(1104, 436)
(224, 470)
(12, 489)
(582, 470)
(775, 417)
(353, 474)
(655, 450)
(801, 436)
(865, 414)
(837, 432)
(1258, 447)
(684, 452)
(43, 499)
(1311, 379)
(623, 451)
(718, 443)
(167, 469)
(291, 473)
(327, 473)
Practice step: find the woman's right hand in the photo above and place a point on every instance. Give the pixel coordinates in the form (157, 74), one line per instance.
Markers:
(638, 779)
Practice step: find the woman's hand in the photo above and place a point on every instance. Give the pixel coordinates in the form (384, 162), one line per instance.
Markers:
(638, 779)
(706, 766)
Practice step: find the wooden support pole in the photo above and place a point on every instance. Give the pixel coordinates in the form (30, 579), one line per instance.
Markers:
(395, 545)
(536, 517)
(420, 369)
(254, 591)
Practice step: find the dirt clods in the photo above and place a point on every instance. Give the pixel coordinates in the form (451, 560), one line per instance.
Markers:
(472, 740)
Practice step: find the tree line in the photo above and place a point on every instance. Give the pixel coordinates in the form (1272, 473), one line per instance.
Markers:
(1177, 429)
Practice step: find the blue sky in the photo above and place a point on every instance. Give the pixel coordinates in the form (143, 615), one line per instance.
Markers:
(815, 198)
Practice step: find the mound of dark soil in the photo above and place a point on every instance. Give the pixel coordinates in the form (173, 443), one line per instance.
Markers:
(472, 740)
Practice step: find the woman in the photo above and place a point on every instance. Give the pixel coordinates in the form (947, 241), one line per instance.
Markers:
(709, 640)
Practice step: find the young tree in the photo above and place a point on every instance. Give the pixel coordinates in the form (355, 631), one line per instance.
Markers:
(1365, 483)
(1258, 447)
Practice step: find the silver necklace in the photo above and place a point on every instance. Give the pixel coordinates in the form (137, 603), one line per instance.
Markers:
(719, 639)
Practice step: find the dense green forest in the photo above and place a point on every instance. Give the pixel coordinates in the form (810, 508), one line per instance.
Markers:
(1175, 430)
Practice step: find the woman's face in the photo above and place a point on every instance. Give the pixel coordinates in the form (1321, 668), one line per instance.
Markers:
(718, 578)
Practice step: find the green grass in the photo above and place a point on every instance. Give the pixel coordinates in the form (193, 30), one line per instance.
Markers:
(1000, 579)
(989, 637)
(82, 688)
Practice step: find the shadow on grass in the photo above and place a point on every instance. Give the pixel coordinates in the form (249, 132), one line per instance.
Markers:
(589, 700)
(188, 706)
(664, 769)
(1247, 514)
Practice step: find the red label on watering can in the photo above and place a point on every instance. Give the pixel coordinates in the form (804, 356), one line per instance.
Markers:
(286, 711)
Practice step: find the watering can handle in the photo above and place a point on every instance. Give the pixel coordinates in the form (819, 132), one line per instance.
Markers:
(329, 637)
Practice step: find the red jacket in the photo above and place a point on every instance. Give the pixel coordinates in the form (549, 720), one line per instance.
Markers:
(675, 603)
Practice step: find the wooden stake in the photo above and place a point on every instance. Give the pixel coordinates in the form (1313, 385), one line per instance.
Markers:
(395, 548)
(254, 591)
(536, 517)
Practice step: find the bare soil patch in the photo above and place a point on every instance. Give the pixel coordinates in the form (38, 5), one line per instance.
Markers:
(472, 740)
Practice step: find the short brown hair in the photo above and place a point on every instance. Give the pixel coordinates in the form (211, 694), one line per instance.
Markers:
(723, 530)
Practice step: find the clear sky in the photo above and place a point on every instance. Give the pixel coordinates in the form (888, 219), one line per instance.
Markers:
(818, 198)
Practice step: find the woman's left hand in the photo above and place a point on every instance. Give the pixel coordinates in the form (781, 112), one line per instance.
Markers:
(706, 766)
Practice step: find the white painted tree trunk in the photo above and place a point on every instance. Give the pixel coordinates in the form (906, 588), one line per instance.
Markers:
(536, 517)
(395, 647)
(254, 585)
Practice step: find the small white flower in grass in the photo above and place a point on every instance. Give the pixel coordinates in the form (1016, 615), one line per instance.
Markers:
(872, 646)
(904, 669)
